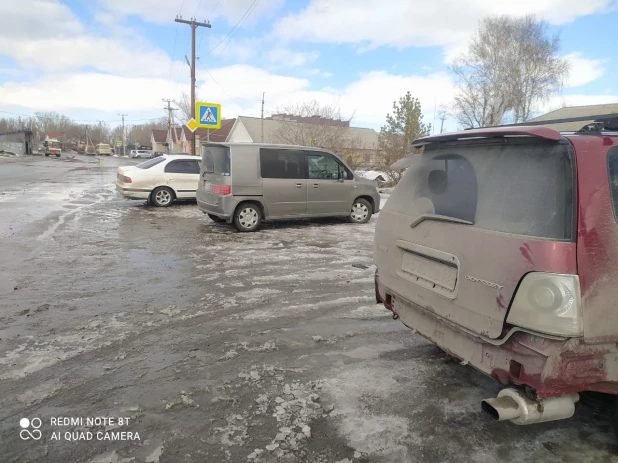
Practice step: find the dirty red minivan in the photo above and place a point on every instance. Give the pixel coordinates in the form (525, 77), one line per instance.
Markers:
(500, 245)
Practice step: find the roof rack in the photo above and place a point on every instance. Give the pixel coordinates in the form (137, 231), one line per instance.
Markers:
(600, 122)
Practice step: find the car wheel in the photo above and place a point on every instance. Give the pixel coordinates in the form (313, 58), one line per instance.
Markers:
(215, 218)
(248, 217)
(46, 155)
(361, 211)
(162, 196)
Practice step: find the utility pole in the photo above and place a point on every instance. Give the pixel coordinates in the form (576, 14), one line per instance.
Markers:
(263, 93)
(169, 109)
(194, 25)
(124, 137)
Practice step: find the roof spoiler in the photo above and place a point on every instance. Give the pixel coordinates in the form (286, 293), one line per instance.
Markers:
(490, 132)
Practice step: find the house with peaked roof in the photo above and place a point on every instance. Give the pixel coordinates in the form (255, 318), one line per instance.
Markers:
(160, 140)
(576, 111)
(216, 135)
(364, 141)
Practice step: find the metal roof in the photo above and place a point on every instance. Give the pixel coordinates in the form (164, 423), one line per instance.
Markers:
(575, 112)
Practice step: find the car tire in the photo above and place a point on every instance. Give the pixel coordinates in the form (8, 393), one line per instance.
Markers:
(361, 211)
(162, 196)
(215, 218)
(46, 155)
(248, 217)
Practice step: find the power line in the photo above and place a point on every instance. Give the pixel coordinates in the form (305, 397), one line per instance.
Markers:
(211, 13)
(174, 48)
(221, 87)
(234, 28)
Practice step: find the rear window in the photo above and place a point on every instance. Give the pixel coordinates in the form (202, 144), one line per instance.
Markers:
(151, 162)
(216, 160)
(515, 187)
(282, 163)
(612, 167)
(183, 167)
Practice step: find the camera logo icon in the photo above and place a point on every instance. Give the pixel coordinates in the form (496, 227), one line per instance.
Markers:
(26, 433)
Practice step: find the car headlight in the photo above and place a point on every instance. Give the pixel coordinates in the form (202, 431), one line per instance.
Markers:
(549, 303)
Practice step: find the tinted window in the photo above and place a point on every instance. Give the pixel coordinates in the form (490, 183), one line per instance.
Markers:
(612, 167)
(282, 163)
(151, 162)
(216, 160)
(517, 187)
(183, 167)
(324, 166)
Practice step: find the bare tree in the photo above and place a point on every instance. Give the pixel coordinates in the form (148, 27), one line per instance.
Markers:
(402, 127)
(313, 124)
(141, 133)
(184, 104)
(511, 65)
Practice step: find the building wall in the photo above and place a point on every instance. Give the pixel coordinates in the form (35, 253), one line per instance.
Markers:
(13, 147)
(239, 134)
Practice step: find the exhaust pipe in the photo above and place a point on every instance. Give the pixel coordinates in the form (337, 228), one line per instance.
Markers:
(513, 405)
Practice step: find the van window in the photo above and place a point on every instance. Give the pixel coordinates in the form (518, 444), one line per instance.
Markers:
(324, 166)
(612, 167)
(183, 167)
(518, 187)
(282, 163)
(216, 160)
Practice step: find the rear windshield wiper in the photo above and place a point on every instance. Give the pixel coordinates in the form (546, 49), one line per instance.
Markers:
(439, 218)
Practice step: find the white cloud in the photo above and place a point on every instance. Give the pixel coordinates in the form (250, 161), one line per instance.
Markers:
(583, 70)
(290, 58)
(93, 91)
(369, 98)
(109, 55)
(46, 35)
(164, 11)
(44, 18)
(403, 23)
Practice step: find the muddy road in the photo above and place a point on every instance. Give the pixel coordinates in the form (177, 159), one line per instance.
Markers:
(213, 346)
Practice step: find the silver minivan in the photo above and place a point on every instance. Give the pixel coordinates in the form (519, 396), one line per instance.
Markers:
(245, 183)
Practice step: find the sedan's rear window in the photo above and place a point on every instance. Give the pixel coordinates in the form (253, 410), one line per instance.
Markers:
(518, 186)
(216, 160)
(151, 162)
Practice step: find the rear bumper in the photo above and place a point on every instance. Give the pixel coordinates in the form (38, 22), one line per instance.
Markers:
(224, 207)
(552, 367)
(132, 193)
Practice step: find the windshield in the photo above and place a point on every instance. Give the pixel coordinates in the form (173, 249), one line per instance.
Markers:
(151, 162)
(521, 188)
(55, 144)
(216, 160)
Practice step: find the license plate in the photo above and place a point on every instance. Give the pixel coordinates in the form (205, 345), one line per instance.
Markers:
(431, 270)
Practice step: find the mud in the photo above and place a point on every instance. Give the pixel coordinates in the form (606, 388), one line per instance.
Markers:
(221, 346)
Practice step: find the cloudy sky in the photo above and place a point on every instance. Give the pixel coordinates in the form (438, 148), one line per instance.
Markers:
(94, 59)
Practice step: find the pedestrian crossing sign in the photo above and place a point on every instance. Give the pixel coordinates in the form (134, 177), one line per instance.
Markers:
(208, 115)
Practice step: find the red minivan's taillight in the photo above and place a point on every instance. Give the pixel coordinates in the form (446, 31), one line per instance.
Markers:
(222, 189)
(126, 179)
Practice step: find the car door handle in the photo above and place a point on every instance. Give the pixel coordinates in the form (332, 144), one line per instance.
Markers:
(315, 185)
(299, 185)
